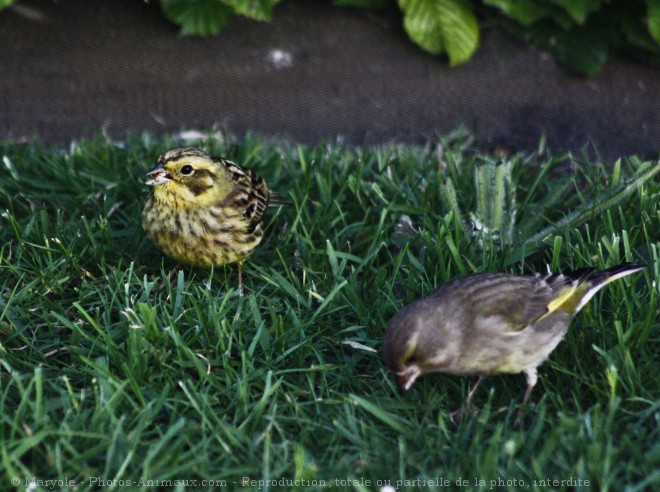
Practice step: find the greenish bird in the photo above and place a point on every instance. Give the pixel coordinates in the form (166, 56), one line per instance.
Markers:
(490, 323)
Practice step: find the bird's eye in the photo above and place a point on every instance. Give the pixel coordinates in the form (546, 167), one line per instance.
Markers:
(187, 169)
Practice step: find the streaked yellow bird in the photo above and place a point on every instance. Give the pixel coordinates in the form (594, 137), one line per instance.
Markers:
(205, 211)
(490, 323)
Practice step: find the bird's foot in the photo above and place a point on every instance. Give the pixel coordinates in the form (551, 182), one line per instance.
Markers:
(172, 278)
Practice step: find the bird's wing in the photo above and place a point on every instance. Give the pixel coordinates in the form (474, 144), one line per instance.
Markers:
(518, 302)
(249, 196)
(258, 198)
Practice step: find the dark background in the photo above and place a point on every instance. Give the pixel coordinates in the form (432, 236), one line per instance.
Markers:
(73, 68)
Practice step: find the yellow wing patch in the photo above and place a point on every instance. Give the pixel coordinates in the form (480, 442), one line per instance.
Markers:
(567, 301)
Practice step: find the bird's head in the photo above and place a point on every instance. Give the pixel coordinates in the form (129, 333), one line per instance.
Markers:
(416, 343)
(400, 352)
(191, 175)
(400, 349)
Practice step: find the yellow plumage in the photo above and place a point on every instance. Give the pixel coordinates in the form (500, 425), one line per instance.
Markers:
(204, 211)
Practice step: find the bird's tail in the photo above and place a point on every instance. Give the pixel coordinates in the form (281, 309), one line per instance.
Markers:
(581, 285)
(611, 274)
(596, 280)
(277, 200)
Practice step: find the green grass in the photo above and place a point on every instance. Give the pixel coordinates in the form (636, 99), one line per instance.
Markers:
(104, 376)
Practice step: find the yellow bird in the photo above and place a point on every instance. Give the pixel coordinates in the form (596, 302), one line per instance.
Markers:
(205, 211)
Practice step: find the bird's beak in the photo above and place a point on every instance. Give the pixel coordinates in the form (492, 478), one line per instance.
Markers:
(406, 377)
(158, 176)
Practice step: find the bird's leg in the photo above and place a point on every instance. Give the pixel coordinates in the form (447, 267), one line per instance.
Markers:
(468, 400)
(172, 282)
(456, 414)
(240, 278)
(532, 378)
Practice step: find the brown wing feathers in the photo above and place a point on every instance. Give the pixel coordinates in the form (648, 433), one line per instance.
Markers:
(250, 193)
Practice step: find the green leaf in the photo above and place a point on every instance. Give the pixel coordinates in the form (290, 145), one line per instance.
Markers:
(363, 4)
(654, 19)
(5, 3)
(197, 17)
(639, 41)
(438, 25)
(528, 12)
(261, 10)
(579, 9)
(585, 49)
(459, 29)
(420, 24)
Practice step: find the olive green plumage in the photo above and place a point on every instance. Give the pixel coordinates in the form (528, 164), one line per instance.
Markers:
(489, 323)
